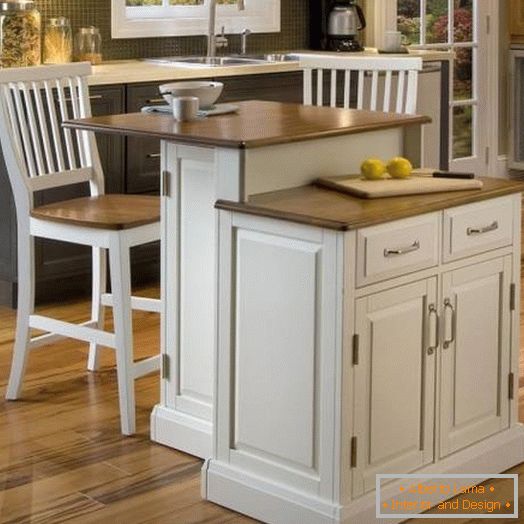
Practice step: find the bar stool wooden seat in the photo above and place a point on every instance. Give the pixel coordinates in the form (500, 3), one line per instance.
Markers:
(115, 212)
(40, 154)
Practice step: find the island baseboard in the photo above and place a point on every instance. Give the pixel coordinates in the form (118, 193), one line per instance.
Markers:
(264, 500)
(182, 432)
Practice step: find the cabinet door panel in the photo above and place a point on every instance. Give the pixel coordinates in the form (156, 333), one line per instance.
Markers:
(143, 154)
(394, 382)
(475, 366)
(262, 87)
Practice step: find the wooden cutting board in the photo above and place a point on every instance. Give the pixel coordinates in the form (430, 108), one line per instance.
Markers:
(388, 187)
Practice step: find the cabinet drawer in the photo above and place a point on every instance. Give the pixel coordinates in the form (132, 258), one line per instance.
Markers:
(397, 248)
(475, 228)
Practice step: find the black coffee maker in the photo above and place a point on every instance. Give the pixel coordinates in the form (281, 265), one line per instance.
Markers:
(336, 25)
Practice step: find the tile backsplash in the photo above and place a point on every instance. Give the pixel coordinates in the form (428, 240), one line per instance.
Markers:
(293, 35)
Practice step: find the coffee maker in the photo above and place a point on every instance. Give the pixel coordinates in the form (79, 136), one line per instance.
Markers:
(336, 25)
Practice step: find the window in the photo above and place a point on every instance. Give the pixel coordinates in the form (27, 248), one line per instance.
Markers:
(150, 18)
(449, 25)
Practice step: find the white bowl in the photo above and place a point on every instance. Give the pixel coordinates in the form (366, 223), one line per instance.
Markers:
(206, 92)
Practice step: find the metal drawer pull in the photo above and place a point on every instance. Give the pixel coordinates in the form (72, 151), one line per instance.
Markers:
(91, 97)
(154, 155)
(155, 101)
(402, 250)
(482, 230)
(449, 305)
(433, 311)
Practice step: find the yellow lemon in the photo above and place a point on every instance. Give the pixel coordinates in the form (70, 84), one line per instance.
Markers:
(399, 167)
(373, 169)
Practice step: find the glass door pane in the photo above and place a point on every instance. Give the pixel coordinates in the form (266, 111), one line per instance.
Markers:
(451, 25)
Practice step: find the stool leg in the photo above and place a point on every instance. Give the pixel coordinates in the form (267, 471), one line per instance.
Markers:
(122, 314)
(97, 309)
(26, 306)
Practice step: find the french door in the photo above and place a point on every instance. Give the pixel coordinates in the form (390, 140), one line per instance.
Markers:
(460, 26)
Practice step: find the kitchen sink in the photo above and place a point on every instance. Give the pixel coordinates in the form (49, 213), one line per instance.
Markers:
(205, 61)
(275, 57)
(223, 61)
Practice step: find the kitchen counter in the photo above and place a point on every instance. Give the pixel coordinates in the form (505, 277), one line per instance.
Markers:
(136, 71)
(321, 207)
(256, 124)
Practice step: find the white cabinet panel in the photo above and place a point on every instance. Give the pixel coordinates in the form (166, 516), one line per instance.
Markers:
(197, 274)
(474, 405)
(276, 288)
(394, 381)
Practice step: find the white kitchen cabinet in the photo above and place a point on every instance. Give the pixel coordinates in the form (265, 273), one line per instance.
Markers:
(476, 336)
(395, 368)
(410, 372)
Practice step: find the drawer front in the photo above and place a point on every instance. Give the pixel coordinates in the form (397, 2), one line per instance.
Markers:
(397, 248)
(475, 228)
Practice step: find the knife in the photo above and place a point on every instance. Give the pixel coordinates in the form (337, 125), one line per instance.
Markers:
(451, 174)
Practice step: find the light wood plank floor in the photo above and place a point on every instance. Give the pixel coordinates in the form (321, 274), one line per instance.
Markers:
(62, 458)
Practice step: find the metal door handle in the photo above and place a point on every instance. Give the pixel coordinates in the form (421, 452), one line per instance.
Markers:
(402, 250)
(90, 97)
(449, 305)
(155, 101)
(481, 230)
(433, 311)
(154, 155)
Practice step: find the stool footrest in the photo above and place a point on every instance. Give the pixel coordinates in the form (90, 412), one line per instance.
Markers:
(51, 338)
(69, 330)
(139, 303)
(146, 366)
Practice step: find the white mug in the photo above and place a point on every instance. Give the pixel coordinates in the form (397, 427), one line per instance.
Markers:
(185, 108)
(392, 41)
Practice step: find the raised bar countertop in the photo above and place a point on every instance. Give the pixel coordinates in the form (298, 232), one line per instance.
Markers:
(256, 124)
(138, 71)
(330, 209)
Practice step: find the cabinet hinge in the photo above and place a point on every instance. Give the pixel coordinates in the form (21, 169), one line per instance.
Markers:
(488, 24)
(511, 386)
(166, 177)
(512, 297)
(356, 348)
(164, 366)
(353, 452)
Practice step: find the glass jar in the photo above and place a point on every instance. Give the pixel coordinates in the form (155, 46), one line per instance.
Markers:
(88, 45)
(20, 34)
(58, 41)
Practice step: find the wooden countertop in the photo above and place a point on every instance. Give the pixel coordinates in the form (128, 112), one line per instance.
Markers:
(139, 71)
(320, 207)
(256, 124)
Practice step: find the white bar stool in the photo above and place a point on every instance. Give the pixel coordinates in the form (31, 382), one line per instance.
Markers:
(398, 96)
(40, 155)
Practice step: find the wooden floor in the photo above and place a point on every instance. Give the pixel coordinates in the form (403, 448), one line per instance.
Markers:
(62, 458)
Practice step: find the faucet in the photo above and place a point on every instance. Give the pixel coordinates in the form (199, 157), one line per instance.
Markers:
(211, 33)
(243, 41)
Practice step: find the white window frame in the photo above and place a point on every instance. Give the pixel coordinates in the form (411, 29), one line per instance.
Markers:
(382, 17)
(260, 16)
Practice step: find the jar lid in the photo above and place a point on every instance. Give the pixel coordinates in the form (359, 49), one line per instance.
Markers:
(61, 21)
(17, 5)
(91, 30)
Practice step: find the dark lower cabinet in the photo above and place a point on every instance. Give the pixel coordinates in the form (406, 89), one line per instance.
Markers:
(131, 165)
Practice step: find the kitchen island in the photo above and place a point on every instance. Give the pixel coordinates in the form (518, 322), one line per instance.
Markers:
(311, 339)
(363, 337)
(265, 147)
